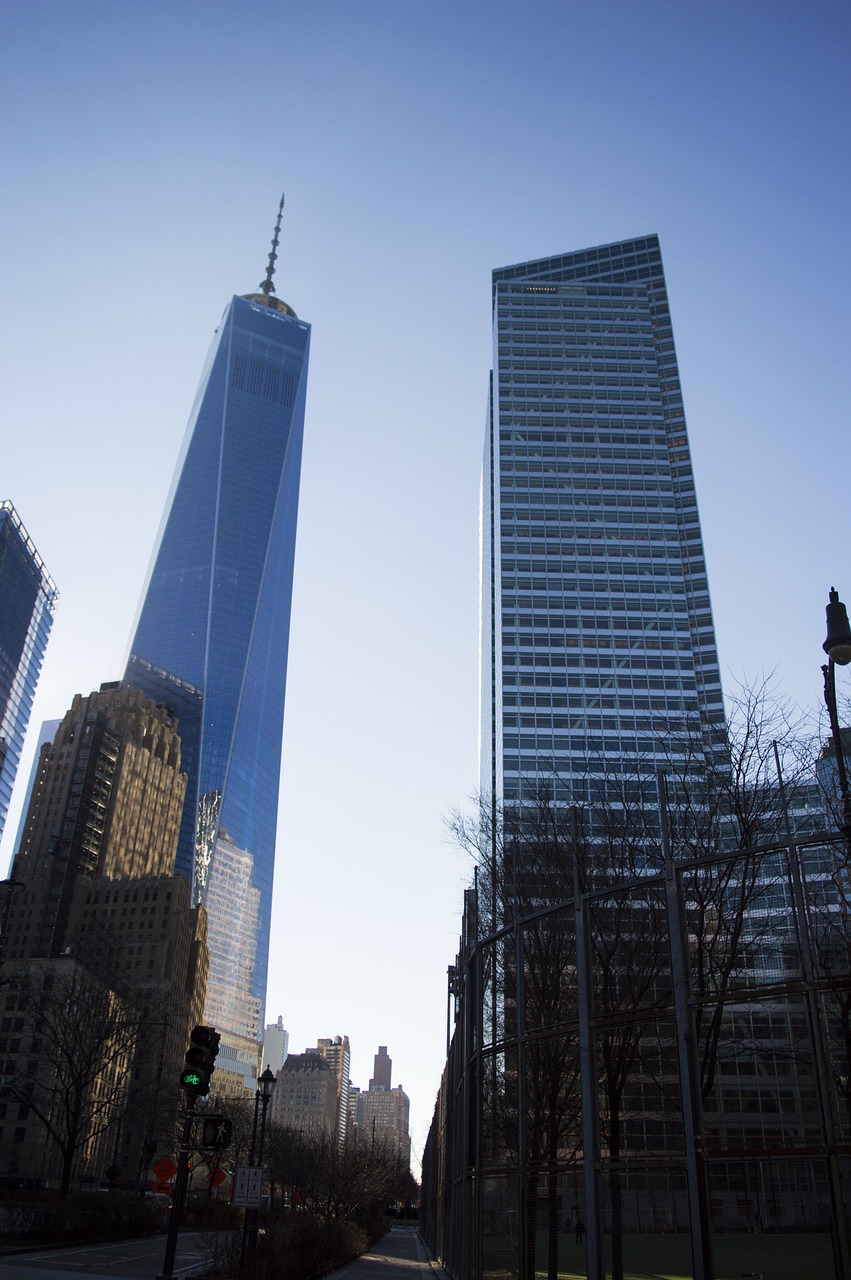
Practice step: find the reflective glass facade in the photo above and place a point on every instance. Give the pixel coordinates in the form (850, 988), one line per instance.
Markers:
(212, 638)
(27, 605)
(597, 634)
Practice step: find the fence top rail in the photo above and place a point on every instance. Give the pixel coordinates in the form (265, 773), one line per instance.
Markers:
(654, 880)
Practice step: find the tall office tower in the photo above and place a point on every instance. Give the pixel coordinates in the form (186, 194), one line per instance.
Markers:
(106, 803)
(276, 1045)
(382, 1066)
(27, 605)
(337, 1054)
(597, 633)
(212, 636)
(383, 1118)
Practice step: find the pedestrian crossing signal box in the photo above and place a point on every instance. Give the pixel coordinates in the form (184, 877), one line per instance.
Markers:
(216, 1132)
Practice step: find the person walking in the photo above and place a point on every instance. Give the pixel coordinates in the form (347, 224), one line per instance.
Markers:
(580, 1229)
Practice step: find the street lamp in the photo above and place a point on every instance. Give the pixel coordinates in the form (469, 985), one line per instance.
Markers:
(837, 646)
(266, 1087)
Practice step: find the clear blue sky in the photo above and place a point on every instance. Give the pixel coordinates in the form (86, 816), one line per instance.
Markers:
(144, 148)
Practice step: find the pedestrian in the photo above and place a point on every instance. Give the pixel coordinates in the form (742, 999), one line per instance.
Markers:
(580, 1229)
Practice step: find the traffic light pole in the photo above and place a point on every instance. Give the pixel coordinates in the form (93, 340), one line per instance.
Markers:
(180, 1183)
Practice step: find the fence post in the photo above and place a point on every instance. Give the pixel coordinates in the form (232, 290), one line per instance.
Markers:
(692, 1107)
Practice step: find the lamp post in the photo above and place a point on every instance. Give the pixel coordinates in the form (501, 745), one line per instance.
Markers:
(262, 1097)
(837, 646)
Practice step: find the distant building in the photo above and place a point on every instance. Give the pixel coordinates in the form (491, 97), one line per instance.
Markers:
(27, 604)
(338, 1056)
(380, 1115)
(381, 1069)
(276, 1043)
(305, 1096)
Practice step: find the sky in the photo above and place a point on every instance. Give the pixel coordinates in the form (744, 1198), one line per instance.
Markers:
(420, 143)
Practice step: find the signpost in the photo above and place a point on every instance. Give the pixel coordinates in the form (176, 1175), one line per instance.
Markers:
(247, 1185)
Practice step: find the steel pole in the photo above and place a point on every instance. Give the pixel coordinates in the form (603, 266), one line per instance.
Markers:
(180, 1183)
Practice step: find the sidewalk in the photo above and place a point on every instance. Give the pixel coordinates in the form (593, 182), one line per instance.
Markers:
(400, 1255)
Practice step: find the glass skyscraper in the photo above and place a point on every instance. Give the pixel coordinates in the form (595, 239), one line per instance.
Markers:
(212, 636)
(27, 605)
(597, 637)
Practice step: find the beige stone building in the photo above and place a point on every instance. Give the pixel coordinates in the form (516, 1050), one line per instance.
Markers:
(305, 1097)
(97, 897)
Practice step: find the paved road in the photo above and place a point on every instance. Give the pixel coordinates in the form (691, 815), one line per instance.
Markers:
(124, 1260)
(400, 1255)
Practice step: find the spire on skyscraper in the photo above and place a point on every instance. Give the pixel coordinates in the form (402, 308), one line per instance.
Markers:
(268, 286)
(267, 295)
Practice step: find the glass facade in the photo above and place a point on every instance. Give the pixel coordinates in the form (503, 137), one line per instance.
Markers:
(597, 636)
(27, 605)
(212, 636)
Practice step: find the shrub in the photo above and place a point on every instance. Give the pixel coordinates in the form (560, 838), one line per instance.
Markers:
(47, 1217)
(298, 1246)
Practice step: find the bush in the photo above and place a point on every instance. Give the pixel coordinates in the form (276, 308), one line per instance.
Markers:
(297, 1246)
(47, 1217)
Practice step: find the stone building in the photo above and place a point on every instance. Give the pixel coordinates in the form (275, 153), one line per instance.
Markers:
(305, 1097)
(97, 905)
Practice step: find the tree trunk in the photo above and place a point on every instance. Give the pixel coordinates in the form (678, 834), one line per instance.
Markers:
(68, 1154)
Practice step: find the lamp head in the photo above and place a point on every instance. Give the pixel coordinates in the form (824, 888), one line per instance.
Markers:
(267, 1083)
(837, 646)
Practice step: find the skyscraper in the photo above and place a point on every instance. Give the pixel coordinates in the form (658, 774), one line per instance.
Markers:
(27, 605)
(597, 633)
(212, 636)
(106, 804)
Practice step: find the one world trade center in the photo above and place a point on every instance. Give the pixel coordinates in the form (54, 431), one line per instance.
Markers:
(212, 637)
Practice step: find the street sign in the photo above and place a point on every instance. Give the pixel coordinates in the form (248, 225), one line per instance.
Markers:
(247, 1186)
(165, 1168)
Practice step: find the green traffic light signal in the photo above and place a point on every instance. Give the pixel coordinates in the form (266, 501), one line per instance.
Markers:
(200, 1060)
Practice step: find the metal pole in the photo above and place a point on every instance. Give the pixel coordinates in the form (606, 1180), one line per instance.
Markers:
(250, 1212)
(180, 1183)
(821, 1056)
(829, 673)
(701, 1230)
(587, 1074)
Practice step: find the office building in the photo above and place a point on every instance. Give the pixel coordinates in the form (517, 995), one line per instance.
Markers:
(382, 1067)
(276, 1044)
(380, 1115)
(212, 635)
(27, 605)
(337, 1054)
(597, 636)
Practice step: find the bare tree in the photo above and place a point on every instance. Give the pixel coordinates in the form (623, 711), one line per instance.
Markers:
(332, 1181)
(77, 1037)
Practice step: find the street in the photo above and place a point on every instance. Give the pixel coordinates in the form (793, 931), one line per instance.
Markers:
(123, 1260)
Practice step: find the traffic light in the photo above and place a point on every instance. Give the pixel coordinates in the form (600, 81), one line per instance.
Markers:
(200, 1060)
(216, 1132)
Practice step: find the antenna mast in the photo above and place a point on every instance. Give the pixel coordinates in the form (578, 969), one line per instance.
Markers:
(267, 286)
